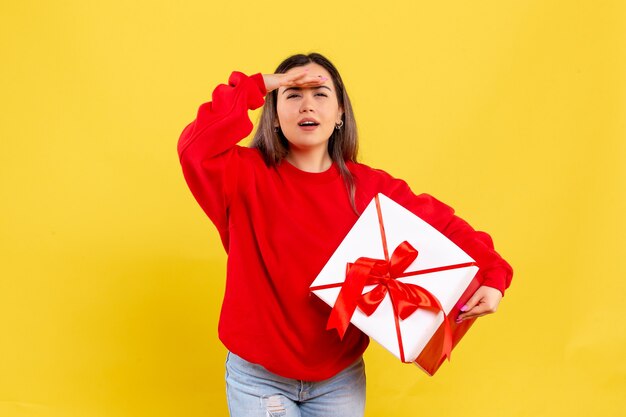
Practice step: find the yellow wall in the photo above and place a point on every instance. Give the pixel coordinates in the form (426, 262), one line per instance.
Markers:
(111, 277)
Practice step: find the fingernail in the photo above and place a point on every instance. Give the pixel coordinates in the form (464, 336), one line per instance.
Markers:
(464, 308)
(458, 320)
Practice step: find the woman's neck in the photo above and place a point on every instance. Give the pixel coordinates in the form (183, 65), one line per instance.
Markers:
(310, 161)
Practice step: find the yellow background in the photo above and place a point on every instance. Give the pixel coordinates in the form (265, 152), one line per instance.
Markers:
(111, 277)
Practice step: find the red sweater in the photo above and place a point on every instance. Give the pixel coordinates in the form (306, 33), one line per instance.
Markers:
(279, 226)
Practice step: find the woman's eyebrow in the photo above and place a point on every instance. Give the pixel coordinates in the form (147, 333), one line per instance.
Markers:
(291, 88)
(312, 88)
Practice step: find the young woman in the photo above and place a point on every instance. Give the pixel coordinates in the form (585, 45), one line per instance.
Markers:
(281, 207)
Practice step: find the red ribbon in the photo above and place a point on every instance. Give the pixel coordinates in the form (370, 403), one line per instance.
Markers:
(383, 273)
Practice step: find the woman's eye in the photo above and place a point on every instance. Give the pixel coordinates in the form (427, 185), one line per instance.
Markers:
(292, 96)
(322, 94)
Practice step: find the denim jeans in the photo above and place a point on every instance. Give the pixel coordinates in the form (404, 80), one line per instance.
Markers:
(253, 391)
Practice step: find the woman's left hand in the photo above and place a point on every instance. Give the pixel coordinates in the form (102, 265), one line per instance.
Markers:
(484, 301)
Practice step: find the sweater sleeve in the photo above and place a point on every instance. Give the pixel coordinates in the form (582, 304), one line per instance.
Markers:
(494, 270)
(207, 150)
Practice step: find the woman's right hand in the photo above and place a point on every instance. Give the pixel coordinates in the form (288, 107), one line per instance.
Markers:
(300, 78)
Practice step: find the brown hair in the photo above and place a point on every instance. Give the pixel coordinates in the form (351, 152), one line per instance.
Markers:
(343, 143)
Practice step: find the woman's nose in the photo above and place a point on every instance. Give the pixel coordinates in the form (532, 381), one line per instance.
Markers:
(306, 104)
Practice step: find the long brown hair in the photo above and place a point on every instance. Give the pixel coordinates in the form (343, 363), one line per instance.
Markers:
(343, 143)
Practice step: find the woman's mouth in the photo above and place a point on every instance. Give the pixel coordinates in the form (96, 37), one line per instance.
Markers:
(308, 124)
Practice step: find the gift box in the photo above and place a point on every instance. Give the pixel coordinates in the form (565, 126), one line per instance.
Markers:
(401, 282)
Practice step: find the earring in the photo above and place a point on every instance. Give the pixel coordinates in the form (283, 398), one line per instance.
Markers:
(339, 125)
(276, 129)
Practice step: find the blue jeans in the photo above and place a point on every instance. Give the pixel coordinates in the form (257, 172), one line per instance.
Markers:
(253, 391)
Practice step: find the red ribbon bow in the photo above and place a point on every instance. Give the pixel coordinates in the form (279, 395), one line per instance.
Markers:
(405, 298)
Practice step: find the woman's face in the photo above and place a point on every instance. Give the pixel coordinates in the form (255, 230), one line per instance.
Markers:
(307, 116)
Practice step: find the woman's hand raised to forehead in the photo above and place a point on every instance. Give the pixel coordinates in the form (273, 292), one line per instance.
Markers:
(300, 78)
